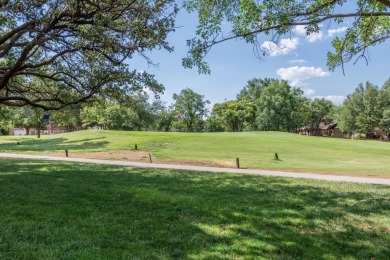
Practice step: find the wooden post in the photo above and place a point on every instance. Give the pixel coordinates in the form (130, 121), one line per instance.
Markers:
(66, 153)
(135, 147)
(150, 158)
(238, 162)
(18, 143)
(276, 156)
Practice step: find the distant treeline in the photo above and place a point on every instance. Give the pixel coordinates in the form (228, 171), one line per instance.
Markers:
(263, 104)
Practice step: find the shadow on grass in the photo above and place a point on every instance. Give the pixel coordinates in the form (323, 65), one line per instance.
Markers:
(59, 210)
(54, 144)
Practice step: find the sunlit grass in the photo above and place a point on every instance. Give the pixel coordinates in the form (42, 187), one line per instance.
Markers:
(255, 149)
(60, 210)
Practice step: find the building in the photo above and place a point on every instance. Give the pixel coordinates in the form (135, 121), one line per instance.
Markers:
(49, 130)
(329, 130)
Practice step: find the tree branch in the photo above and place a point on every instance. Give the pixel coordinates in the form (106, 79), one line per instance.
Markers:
(278, 26)
(384, 2)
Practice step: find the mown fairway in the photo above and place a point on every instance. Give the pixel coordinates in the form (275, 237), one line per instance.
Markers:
(255, 149)
(70, 211)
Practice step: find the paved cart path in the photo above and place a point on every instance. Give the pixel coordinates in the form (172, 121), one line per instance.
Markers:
(324, 177)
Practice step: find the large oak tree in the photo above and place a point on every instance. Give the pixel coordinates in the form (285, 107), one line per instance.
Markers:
(59, 52)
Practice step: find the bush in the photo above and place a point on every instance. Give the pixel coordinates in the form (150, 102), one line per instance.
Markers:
(4, 132)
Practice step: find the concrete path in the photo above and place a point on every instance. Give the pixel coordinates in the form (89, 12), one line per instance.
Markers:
(206, 169)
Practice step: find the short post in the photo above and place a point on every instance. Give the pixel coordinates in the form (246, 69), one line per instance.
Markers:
(238, 162)
(276, 156)
(18, 143)
(135, 147)
(66, 153)
(150, 158)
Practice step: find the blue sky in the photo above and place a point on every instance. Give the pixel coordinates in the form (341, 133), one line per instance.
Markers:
(302, 62)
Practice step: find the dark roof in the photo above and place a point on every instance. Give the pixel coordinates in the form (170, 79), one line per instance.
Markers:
(324, 126)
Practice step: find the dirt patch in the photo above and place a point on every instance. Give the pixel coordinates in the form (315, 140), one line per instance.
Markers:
(133, 156)
(196, 163)
(141, 156)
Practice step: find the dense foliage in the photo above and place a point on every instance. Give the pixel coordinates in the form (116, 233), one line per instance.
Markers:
(366, 109)
(233, 115)
(263, 104)
(191, 110)
(54, 53)
(368, 24)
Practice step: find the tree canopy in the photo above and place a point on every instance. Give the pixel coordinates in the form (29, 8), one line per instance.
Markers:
(191, 109)
(235, 114)
(253, 89)
(277, 105)
(368, 24)
(365, 109)
(54, 52)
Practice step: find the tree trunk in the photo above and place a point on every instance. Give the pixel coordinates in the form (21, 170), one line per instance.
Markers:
(39, 132)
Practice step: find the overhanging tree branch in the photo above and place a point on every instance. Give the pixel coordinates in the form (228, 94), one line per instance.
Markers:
(248, 19)
(56, 53)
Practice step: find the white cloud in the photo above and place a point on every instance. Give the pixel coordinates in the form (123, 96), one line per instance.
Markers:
(298, 83)
(308, 91)
(333, 32)
(312, 37)
(315, 36)
(300, 30)
(337, 100)
(285, 46)
(297, 61)
(297, 73)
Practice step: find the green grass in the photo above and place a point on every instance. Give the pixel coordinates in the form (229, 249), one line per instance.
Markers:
(255, 149)
(51, 210)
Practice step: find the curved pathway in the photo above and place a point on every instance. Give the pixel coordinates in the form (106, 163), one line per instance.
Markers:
(324, 177)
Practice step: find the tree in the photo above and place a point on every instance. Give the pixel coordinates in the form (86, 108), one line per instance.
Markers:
(278, 106)
(29, 117)
(370, 113)
(319, 111)
(385, 122)
(370, 25)
(54, 53)
(164, 120)
(133, 114)
(215, 124)
(384, 102)
(6, 117)
(253, 89)
(361, 110)
(235, 114)
(68, 117)
(191, 109)
(92, 115)
(346, 116)
(384, 96)
(163, 116)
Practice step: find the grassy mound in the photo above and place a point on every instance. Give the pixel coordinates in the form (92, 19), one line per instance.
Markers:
(255, 149)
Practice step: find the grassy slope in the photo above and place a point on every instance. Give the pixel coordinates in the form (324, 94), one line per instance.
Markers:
(60, 210)
(255, 149)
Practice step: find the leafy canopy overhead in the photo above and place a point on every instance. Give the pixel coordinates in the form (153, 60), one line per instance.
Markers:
(368, 24)
(59, 52)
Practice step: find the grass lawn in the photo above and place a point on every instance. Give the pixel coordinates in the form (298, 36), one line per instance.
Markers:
(60, 210)
(255, 149)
